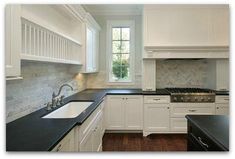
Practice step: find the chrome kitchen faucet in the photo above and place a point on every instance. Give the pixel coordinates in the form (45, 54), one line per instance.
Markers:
(57, 98)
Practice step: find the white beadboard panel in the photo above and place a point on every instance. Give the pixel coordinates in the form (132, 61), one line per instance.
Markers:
(39, 81)
(222, 74)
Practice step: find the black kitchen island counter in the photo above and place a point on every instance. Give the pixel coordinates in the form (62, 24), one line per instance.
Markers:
(214, 127)
(33, 133)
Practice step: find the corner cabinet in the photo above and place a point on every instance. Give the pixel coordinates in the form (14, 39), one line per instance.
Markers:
(91, 49)
(12, 41)
(124, 112)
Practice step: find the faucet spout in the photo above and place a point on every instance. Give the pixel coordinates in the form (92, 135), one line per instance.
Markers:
(56, 95)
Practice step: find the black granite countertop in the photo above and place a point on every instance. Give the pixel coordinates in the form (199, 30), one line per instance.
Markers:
(222, 92)
(33, 133)
(216, 127)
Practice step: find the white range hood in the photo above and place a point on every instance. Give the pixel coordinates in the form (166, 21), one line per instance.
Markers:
(186, 52)
(186, 31)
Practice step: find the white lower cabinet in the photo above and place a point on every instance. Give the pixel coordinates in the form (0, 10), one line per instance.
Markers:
(222, 109)
(157, 117)
(86, 143)
(115, 113)
(124, 112)
(91, 132)
(156, 114)
(86, 137)
(182, 109)
(178, 111)
(222, 105)
(67, 144)
(92, 142)
(178, 124)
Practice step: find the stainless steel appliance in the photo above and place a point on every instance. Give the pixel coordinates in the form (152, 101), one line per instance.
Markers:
(191, 95)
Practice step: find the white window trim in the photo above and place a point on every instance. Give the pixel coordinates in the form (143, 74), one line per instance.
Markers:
(110, 25)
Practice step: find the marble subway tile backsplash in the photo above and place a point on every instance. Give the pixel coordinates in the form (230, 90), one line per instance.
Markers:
(181, 73)
(40, 79)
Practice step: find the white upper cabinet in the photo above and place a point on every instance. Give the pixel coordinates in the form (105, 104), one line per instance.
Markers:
(12, 41)
(51, 33)
(91, 51)
(186, 25)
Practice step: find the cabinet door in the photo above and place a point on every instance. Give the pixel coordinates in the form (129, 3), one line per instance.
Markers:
(92, 49)
(156, 117)
(178, 125)
(134, 112)
(89, 49)
(12, 40)
(97, 134)
(67, 144)
(86, 143)
(222, 109)
(115, 113)
(149, 75)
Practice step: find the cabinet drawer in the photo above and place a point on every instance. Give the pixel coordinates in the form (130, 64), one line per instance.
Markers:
(222, 99)
(180, 110)
(178, 125)
(156, 99)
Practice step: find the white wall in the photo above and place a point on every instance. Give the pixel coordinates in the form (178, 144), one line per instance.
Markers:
(98, 80)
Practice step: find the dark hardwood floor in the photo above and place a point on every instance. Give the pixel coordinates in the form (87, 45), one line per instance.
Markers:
(136, 142)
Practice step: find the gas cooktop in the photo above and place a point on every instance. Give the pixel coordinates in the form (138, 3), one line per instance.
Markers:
(191, 95)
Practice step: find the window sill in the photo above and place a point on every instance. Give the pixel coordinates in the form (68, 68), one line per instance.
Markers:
(120, 83)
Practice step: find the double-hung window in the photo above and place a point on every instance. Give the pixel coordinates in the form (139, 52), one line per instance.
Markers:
(120, 51)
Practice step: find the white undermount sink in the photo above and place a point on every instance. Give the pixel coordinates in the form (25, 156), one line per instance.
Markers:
(70, 110)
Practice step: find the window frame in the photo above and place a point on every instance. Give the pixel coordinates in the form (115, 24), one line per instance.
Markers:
(120, 23)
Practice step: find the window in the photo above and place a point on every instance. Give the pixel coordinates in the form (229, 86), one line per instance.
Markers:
(120, 43)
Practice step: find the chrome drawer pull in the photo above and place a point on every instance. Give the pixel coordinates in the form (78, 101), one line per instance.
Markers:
(203, 143)
(192, 110)
(157, 99)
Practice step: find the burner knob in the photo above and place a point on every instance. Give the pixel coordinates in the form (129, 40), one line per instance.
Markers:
(175, 99)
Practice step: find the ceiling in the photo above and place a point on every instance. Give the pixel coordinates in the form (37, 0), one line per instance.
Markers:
(114, 9)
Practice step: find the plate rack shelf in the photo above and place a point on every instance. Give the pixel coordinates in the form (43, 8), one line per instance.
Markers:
(42, 44)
